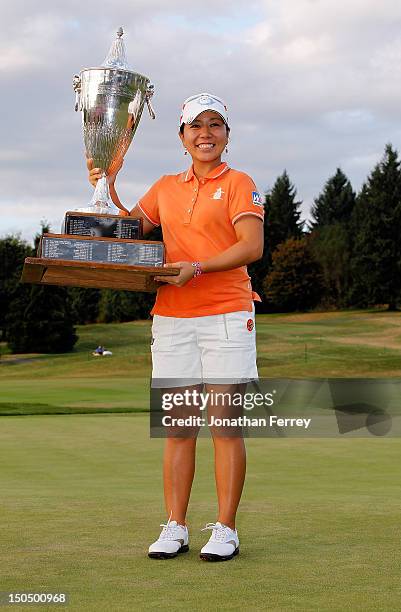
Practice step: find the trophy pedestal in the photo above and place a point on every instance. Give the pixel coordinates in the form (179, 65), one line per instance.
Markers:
(40, 270)
(97, 261)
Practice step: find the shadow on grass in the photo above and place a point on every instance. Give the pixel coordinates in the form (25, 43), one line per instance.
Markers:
(26, 409)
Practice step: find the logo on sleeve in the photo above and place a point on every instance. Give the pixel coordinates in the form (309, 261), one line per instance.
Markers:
(257, 198)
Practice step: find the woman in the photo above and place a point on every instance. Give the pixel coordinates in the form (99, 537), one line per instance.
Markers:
(203, 326)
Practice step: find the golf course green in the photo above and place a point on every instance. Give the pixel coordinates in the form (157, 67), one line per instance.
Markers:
(81, 482)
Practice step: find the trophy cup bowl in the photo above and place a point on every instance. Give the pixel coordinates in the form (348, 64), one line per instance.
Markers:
(111, 99)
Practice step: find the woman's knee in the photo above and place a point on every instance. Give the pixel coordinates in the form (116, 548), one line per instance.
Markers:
(180, 442)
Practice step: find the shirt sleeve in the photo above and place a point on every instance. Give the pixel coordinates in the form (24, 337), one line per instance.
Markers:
(245, 200)
(149, 203)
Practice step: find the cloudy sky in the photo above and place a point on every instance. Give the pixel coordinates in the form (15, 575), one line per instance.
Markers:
(310, 85)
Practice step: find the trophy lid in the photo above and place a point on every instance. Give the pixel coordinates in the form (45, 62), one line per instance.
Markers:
(116, 57)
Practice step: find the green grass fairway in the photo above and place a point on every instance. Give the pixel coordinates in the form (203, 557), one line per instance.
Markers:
(81, 499)
(334, 344)
(76, 380)
(81, 494)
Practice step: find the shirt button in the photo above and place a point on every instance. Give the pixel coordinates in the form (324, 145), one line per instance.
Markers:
(189, 210)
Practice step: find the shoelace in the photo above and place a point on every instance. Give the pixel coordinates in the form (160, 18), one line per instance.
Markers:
(168, 530)
(219, 532)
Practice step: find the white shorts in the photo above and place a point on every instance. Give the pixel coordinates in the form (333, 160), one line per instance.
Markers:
(213, 349)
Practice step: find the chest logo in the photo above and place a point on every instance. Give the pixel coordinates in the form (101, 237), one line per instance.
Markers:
(218, 194)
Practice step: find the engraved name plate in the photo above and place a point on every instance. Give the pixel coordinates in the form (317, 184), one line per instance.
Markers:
(101, 250)
(102, 226)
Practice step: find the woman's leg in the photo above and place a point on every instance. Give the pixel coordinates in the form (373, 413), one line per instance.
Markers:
(178, 474)
(230, 467)
(179, 457)
(229, 453)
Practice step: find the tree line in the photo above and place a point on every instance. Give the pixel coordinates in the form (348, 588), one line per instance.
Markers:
(347, 255)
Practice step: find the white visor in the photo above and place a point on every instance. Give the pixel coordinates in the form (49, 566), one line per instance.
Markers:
(195, 105)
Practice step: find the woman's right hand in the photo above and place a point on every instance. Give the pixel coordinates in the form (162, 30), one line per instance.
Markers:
(96, 173)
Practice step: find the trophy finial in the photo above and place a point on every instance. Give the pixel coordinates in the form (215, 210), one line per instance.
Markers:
(116, 57)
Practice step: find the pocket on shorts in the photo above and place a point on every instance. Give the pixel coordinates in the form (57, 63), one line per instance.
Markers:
(162, 333)
(238, 328)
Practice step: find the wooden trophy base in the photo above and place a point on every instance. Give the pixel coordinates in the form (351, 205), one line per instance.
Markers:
(97, 261)
(40, 270)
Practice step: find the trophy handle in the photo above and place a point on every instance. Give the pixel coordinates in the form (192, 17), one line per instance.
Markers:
(150, 90)
(76, 85)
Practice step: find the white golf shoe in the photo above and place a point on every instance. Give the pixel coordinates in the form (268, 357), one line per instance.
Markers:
(172, 541)
(222, 545)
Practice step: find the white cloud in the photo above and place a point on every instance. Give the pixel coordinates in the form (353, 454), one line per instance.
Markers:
(32, 43)
(310, 84)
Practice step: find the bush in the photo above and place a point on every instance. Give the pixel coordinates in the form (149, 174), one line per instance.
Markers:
(294, 282)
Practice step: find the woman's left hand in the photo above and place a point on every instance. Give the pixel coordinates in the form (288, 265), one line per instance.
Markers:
(187, 272)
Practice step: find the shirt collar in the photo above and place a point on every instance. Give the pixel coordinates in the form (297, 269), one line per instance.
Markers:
(215, 173)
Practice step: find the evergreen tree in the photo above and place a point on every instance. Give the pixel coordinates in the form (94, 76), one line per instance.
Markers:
(294, 281)
(282, 221)
(40, 320)
(282, 213)
(84, 304)
(120, 306)
(376, 223)
(330, 246)
(13, 251)
(39, 317)
(331, 215)
(336, 202)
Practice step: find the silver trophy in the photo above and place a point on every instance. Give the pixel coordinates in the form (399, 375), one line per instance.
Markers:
(111, 99)
(97, 247)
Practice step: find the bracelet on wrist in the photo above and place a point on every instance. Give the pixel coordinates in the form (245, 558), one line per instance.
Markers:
(198, 269)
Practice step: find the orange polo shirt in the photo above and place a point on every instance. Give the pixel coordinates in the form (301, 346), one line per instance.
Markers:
(197, 219)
